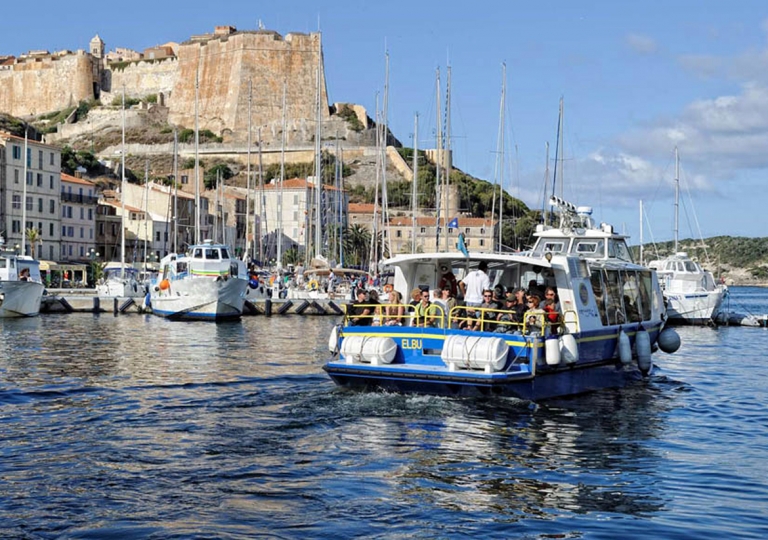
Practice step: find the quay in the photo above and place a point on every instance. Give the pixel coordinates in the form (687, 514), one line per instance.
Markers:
(87, 301)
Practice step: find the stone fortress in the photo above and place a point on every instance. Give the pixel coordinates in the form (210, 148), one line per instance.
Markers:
(229, 67)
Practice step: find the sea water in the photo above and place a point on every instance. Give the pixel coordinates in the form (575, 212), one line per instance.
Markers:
(133, 426)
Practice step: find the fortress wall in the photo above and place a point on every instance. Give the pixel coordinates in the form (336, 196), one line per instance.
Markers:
(140, 79)
(46, 84)
(226, 66)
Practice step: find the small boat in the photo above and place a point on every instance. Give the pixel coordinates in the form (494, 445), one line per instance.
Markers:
(204, 283)
(21, 286)
(611, 318)
(691, 294)
(120, 280)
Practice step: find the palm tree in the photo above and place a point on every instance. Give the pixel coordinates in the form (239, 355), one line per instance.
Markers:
(33, 237)
(357, 244)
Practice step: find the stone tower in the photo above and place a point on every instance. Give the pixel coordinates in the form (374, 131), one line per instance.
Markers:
(96, 49)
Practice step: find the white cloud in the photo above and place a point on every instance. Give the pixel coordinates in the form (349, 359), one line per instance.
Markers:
(641, 44)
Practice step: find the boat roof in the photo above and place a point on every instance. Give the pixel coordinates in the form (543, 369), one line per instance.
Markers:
(472, 257)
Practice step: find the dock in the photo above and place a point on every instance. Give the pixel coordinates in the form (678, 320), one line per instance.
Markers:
(86, 301)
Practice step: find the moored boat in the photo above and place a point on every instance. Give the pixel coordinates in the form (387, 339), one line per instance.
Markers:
(611, 316)
(21, 286)
(205, 283)
(120, 280)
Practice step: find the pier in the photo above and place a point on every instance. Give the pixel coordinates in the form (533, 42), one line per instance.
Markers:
(86, 301)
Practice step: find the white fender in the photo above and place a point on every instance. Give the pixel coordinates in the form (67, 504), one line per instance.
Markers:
(552, 348)
(669, 340)
(569, 349)
(625, 348)
(333, 340)
(643, 349)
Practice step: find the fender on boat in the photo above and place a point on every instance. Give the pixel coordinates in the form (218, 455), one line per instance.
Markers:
(552, 350)
(643, 350)
(333, 340)
(625, 348)
(669, 340)
(569, 349)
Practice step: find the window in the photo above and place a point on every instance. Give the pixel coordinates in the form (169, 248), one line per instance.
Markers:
(16, 202)
(40, 227)
(398, 234)
(70, 250)
(82, 233)
(50, 230)
(90, 214)
(29, 178)
(450, 230)
(467, 241)
(295, 199)
(53, 206)
(114, 229)
(16, 226)
(157, 236)
(82, 213)
(423, 230)
(40, 204)
(30, 204)
(52, 163)
(101, 229)
(16, 152)
(466, 231)
(71, 232)
(50, 178)
(90, 232)
(184, 179)
(82, 251)
(482, 242)
(165, 236)
(40, 160)
(15, 176)
(39, 179)
(69, 212)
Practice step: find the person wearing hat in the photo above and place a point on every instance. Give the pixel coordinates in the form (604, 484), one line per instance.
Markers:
(360, 312)
(447, 278)
(508, 317)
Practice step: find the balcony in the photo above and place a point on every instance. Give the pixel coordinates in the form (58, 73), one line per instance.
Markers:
(77, 198)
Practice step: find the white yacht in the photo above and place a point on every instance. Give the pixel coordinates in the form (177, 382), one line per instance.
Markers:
(120, 280)
(204, 283)
(21, 286)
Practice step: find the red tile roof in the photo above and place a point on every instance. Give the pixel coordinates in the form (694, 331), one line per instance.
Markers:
(75, 180)
(361, 208)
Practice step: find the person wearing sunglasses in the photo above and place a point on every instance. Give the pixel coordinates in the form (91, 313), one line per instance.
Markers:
(426, 313)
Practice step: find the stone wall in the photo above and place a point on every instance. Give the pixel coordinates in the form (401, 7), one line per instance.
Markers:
(37, 85)
(140, 79)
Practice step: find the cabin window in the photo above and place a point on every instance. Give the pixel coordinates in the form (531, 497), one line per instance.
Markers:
(554, 247)
(690, 266)
(631, 292)
(618, 249)
(211, 254)
(224, 253)
(198, 253)
(598, 289)
(590, 247)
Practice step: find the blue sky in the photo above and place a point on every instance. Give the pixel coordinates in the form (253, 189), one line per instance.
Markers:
(636, 79)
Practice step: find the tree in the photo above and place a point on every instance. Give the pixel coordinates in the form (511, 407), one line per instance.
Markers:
(221, 171)
(357, 244)
(33, 237)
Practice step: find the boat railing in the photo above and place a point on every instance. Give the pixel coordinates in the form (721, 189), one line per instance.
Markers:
(380, 316)
(500, 321)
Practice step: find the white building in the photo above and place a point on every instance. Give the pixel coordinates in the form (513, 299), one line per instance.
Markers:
(78, 218)
(43, 194)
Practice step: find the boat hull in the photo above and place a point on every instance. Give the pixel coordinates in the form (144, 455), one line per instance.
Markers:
(699, 308)
(200, 298)
(20, 298)
(417, 366)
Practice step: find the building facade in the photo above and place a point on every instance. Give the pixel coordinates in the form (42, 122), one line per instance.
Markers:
(479, 234)
(42, 199)
(78, 219)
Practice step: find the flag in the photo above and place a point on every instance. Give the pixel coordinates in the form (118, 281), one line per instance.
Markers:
(454, 223)
(462, 246)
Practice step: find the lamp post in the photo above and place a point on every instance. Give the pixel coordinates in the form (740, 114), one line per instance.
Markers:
(93, 255)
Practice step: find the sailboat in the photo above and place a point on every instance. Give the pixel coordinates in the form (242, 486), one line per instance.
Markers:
(207, 282)
(690, 293)
(119, 279)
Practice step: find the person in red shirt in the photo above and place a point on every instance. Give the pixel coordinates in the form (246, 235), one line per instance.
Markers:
(448, 279)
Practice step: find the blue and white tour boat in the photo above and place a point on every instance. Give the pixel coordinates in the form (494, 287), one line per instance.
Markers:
(610, 318)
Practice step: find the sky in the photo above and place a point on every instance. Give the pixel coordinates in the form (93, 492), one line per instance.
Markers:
(637, 79)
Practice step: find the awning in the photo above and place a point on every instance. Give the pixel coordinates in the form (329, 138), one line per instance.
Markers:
(47, 265)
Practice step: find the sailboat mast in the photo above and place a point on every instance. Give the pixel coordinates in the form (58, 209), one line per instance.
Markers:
(197, 159)
(414, 182)
(385, 137)
(24, 190)
(175, 190)
(146, 211)
(544, 210)
(374, 236)
(502, 118)
(318, 247)
(122, 196)
(448, 155)
(262, 206)
(248, 179)
(641, 232)
(438, 159)
(280, 193)
(677, 195)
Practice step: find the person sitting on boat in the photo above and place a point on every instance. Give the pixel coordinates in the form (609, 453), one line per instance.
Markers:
(448, 298)
(426, 313)
(473, 285)
(24, 274)
(534, 323)
(448, 279)
(535, 288)
(394, 312)
(373, 301)
(488, 312)
(551, 307)
(508, 318)
(360, 313)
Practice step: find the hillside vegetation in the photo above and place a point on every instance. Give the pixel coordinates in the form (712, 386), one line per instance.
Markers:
(745, 260)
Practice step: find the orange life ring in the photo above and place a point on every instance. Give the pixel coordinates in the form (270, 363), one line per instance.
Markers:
(388, 288)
